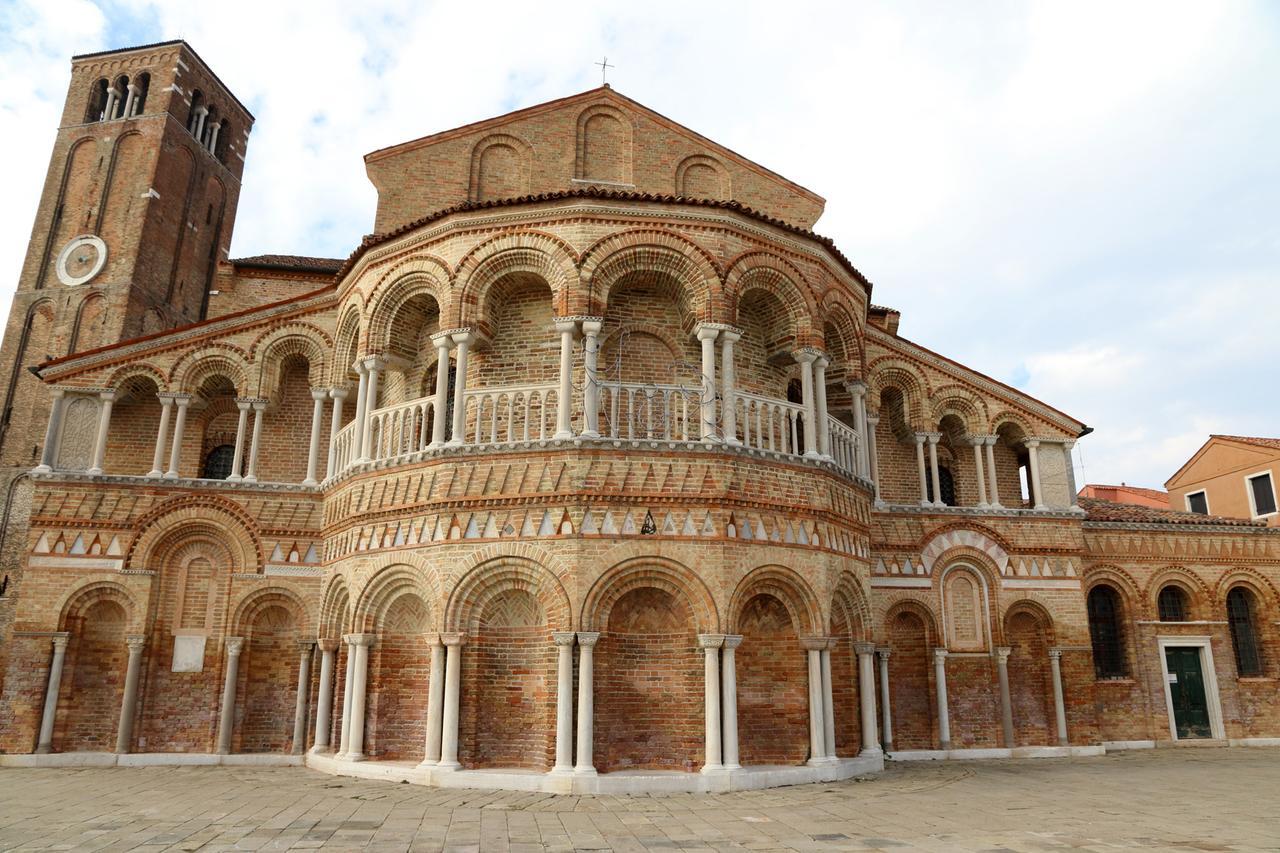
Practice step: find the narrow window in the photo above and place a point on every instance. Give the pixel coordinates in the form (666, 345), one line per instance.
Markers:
(1105, 633)
(1172, 604)
(217, 463)
(947, 482)
(1198, 502)
(1244, 636)
(1263, 495)
(97, 102)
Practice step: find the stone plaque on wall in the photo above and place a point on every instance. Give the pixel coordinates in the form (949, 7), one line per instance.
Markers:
(188, 653)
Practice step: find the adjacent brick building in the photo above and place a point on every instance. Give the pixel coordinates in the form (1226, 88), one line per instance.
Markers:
(593, 465)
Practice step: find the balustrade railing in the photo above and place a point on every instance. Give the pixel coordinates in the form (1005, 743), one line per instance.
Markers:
(768, 424)
(402, 429)
(844, 445)
(651, 412)
(510, 414)
(344, 450)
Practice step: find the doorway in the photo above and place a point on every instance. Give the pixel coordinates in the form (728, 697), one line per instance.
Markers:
(1191, 688)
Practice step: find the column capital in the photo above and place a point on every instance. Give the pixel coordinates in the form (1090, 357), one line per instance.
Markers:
(814, 644)
(432, 638)
(1031, 443)
(931, 437)
(1003, 652)
(730, 334)
(563, 638)
(250, 402)
(1055, 654)
(361, 639)
(711, 641)
(327, 644)
(883, 653)
(587, 639)
(339, 392)
(806, 355)
(453, 639)
(374, 361)
(565, 324)
(856, 387)
(201, 110)
(135, 642)
(939, 655)
(58, 392)
(260, 405)
(864, 648)
(732, 641)
(305, 646)
(463, 336)
(707, 331)
(983, 439)
(592, 325)
(108, 395)
(319, 394)
(235, 645)
(443, 340)
(172, 397)
(873, 419)
(60, 640)
(822, 362)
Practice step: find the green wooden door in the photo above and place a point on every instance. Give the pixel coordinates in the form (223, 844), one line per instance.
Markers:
(1186, 687)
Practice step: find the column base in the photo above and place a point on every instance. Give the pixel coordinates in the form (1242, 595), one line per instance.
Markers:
(156, 474)
(730, 767)
(94, 471)
(873, 752)
(584, 771)
(447, 766)
(45, 469)
(44, 749)
(712, 768)
(565, 770)
(357, 756)
(235, 478)
(813, 454)
(589, 433)
(946, 744)
(252, 479)
(310, 481)
(429, 764)
(170, 475)
(562, 435)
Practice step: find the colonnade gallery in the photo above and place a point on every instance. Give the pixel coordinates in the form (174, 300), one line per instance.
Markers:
(592, 468)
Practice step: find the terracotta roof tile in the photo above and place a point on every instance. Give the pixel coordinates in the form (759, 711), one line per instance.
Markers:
(1273, 443)
(1100, 510)
(300, 263)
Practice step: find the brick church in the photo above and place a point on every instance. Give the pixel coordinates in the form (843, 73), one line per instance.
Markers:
(592, 468)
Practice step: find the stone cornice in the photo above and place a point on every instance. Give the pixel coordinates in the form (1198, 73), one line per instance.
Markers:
(184, 483)
(1179, 528)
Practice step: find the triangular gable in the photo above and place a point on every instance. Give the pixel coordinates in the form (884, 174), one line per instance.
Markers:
(1220, 455)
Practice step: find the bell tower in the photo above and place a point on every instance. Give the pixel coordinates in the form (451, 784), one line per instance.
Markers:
(136, 213)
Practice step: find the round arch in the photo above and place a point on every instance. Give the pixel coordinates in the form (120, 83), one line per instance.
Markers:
(648, 251)
(640, 572)
(785, 585)
(487, 581)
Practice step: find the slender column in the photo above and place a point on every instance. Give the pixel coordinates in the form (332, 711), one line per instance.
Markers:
(54, 684)
(1006, 704)
(872, 456)
(213, 138)
(867, 697)
(933, 469)
(820, 404)
(813, 648)
(304, 689)
(1059, 709)
(729, 391)
(318, 396)
(886, 714)
(107, 399)
(435, 702)
(440, 404)
(259, 407)
(993, 488)
(1033, 457)
(335, 426)
(129, 101)
(858, 394)
(344, 739)
(591, 327)
(360, 644)
(374, 365)
(729, 700)
(828, 706)
(805, 358)
(463, 339)
(1072, 491)
(452, 688)
(586, 694)
(707, 335)
(564, 701)
(48, 452)
(711, 644)
(108, 112)
(977, 467)
(182, 401)
(202, 112)
(940, 677)
(324, 697)
(564, 399)
(129, 702)
(920, 467)
(357, 440)
(241, 429)
(162, 435)
(227, 717)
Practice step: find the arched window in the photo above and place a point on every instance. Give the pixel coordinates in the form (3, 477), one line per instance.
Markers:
(1172, 604)
(96, 111)
(198, 110)
(141, 84)
(120, 93)
(1106, 633)
(221, 140)
(217, 463)
(947, 483)
(1244, 634)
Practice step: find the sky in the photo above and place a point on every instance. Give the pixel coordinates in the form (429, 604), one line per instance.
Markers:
(1079, 199)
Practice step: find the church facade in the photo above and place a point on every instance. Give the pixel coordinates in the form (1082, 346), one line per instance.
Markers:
(593, 468)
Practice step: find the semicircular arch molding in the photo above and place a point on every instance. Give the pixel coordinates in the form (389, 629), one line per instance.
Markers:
(652, 250)
(1199, 593)
(785, 585)
(208, 361)
(92, 591)
(1038, 611)
(1259, 584)
(964, 404)
(1113, 576)
(271, 349)
(137, 370)
(892, 372)
(421, 275)
(335, 608)
(777, 276)
(394, 575)
(649, 572)
(247, 610)
(850, 598)
(939, 545)
(914, 603)
(490, 580)
(229, 520)
(535, 253)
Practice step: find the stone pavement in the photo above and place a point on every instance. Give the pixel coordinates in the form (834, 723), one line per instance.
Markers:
(1177, 799)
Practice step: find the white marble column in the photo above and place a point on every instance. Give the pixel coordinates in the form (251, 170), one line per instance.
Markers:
(242, 429)
(729, 700)
(324, 696)
(813, 649)
(357, 440)
(566, 328)
(707, 336)
(564, 641)
(318, 396)
(435, 702)
(52, 686)
(805, 358)
(886, 710)
(374, 365)
(130, 99)
(335, 426)
(940, 682)
(1033, 460)
(873, 456)
(129, 702)
(442, 341)
(255, 443)
(828, 705)
(344, 735)
(360, 644)
(109, 110)
(922, 470)
(711, 644)
(452, 693)
(858, 397)
(867, 698)
(162, 435)
(728, 387)
(591, 327)
(202, 112)
(213, 138)
(227, 714)
(1006, 703)
(300, 708)
(463, 339)
(106, 401)
(49, 451)
(979, 473)
(586, 697)
(820, 365)
(993, 487)
(933, 469)
(1059, 708)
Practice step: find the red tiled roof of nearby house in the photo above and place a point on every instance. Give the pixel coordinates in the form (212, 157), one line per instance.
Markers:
(1124, 493)
(300, 263)
(1122, 513)
(1273, 443)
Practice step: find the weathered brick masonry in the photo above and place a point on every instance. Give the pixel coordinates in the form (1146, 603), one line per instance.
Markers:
(593, 459)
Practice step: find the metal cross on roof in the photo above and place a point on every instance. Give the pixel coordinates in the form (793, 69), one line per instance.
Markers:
(604, 70)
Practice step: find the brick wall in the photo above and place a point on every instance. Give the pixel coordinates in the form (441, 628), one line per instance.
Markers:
(911, 684)
(773, 686)
(399, 683)
(268, 677)
(89, 715)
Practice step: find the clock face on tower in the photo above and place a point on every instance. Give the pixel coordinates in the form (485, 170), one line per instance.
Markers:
(81, 259)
